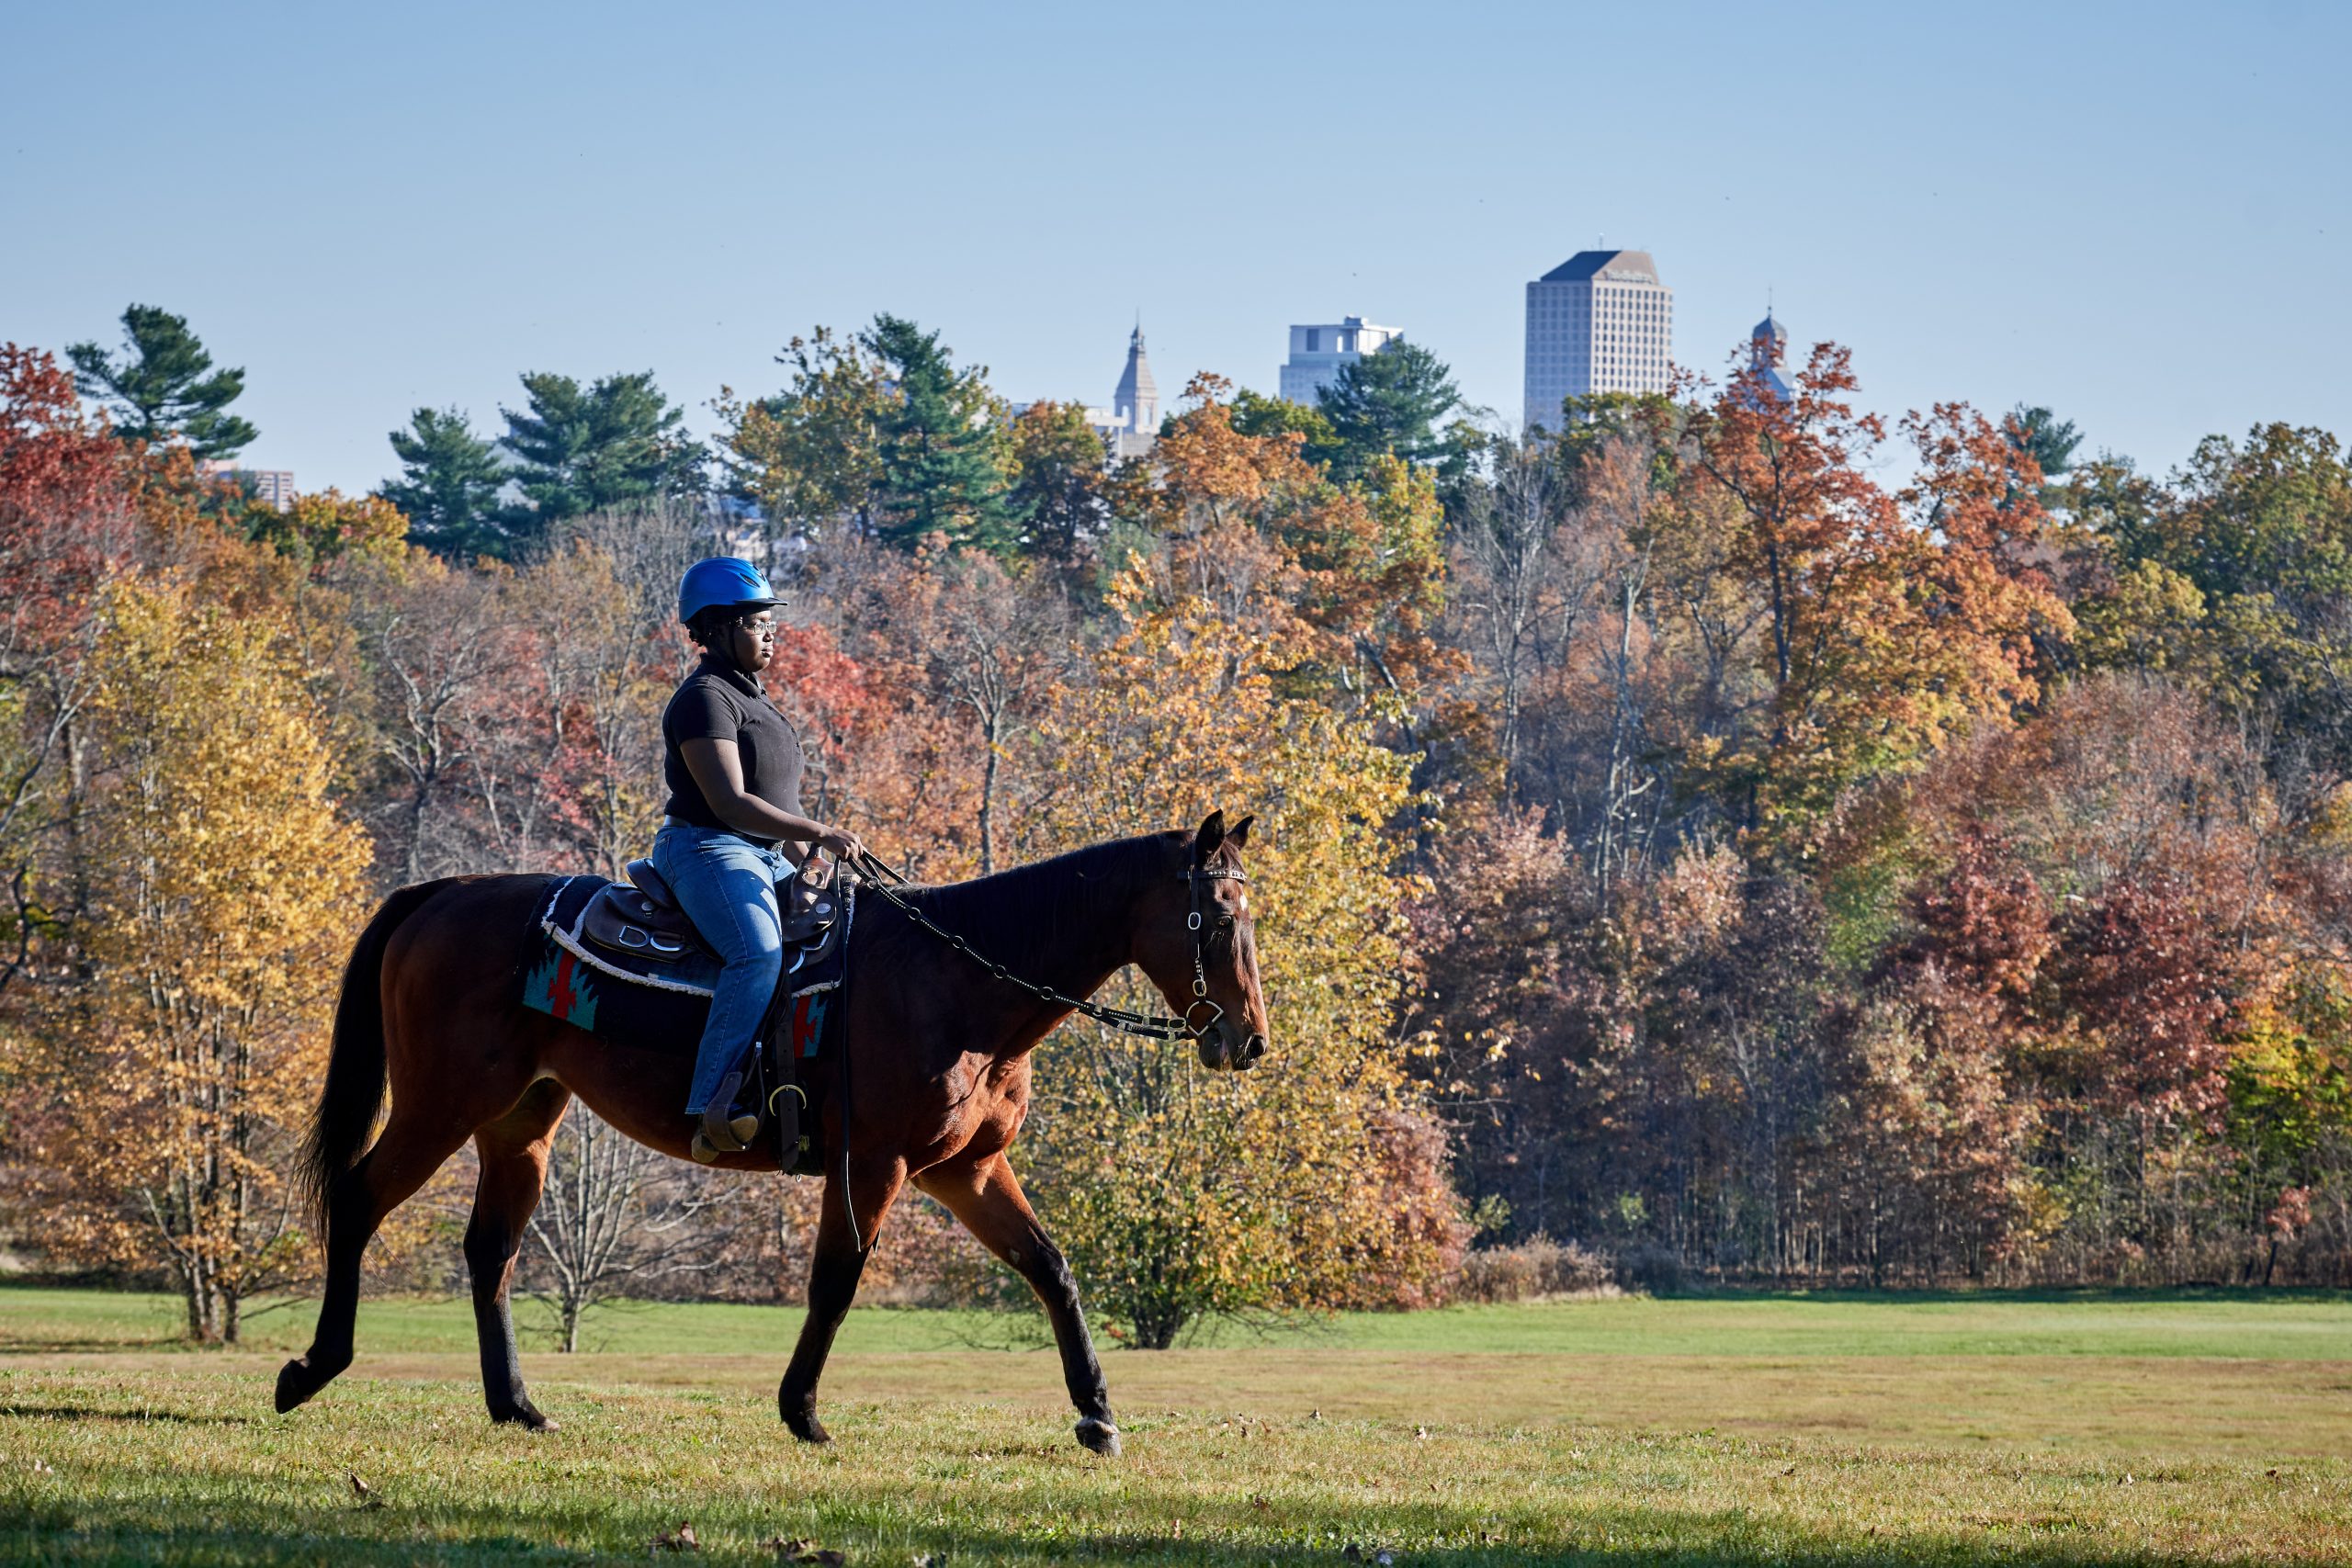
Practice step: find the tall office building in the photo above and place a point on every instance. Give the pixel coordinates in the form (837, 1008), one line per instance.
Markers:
(1600, 322)
(1318, 353)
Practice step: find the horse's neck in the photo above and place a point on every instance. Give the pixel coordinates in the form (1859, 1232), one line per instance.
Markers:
(1067, 923)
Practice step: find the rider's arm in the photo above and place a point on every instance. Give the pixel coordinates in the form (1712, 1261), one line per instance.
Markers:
(718, 769)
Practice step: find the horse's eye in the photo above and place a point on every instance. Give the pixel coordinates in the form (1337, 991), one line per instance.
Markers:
(1225, 921)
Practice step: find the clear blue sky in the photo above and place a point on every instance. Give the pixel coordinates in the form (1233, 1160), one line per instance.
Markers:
(2138, 214)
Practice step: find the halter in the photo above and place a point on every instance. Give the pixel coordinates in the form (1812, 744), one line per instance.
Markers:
(1146, 1026)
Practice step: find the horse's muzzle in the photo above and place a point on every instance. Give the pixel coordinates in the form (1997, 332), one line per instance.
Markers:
(1226, 1048)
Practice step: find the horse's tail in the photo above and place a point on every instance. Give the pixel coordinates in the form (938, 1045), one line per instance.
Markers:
(354, 1093)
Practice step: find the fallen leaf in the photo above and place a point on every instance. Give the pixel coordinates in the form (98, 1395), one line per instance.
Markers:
(680, 1540)
(1791, 1471)
(41, 1467)
(358, 1487)
(1422, 1433)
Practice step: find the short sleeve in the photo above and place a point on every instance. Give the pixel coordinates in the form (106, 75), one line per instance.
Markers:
(700, 711)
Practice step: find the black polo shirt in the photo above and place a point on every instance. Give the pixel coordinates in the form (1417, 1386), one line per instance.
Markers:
(720, 702)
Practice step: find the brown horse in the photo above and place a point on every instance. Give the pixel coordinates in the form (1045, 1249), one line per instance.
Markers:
(936, 1048)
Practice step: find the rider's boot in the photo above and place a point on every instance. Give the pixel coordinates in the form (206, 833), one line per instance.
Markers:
(725, 1129)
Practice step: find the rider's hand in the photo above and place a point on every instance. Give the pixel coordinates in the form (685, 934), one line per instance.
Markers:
(839, 844)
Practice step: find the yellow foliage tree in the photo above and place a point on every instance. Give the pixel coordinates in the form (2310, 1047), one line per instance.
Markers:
(223, 904)
(1310, 1182)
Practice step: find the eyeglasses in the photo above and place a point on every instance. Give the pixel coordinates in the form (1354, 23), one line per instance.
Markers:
(758, 628)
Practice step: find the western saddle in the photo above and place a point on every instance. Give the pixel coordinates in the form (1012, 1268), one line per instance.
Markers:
(642, 917)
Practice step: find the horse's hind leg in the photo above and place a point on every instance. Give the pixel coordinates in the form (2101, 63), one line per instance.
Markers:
(513, 1169)
(411, 1148)
(986, 1198)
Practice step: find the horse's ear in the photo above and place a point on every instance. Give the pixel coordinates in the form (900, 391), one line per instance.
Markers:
(1211, 835)
(1239, 834)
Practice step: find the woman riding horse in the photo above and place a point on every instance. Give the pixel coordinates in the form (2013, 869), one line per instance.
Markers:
(733, 765)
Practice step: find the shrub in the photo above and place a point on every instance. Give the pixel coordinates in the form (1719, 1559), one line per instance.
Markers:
(1535, 1270)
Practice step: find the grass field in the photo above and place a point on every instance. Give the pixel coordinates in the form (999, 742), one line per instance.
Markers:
(2084, 1430)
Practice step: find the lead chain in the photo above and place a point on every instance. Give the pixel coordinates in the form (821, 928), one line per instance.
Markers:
(1140, 1024)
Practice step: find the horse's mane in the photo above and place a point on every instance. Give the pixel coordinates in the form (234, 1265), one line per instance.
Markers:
(1025, 917)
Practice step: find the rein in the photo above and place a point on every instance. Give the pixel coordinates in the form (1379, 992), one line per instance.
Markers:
(885, 883)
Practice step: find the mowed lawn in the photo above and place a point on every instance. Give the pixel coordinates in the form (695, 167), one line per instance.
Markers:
(2065, 1429)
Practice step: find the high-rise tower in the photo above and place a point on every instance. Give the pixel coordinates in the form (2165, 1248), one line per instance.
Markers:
(1600, 322)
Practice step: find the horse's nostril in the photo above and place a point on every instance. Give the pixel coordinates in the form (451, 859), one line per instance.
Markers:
(1253, 1047)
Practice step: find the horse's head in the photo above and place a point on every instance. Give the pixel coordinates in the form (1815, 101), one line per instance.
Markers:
(1199, 944)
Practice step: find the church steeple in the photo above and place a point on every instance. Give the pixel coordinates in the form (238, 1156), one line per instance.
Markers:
(1136, 402)
(1767, 345)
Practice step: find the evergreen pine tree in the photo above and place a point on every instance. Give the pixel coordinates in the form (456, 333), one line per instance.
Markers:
(450, 487)
(1390, 403)
(617, 441)
(941, 469)
(164, 385)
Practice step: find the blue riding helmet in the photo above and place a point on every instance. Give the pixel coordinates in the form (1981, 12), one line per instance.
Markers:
(724, 580)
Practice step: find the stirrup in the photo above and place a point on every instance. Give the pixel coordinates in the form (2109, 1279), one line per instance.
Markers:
(729, 1132)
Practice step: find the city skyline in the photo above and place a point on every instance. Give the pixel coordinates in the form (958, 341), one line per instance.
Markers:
(417, 259)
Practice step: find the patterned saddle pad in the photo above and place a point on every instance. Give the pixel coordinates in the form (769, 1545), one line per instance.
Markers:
(618, 996)
(817, 966)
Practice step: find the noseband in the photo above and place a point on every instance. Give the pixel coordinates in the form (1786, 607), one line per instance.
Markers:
(1198, 927)
(1147, 1026)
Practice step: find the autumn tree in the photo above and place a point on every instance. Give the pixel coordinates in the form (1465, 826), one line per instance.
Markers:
(186, 1066)
(2236, 575)
(1883, 633)
(1255, 415)
(66, 526)
(1058, 480)
(1347, 580)
(811, 455)
(1180, 1193)
(162, 386)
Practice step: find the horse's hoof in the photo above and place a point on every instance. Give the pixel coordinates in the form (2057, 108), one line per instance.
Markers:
(801, 1420)
(298, 1381)
(526, 1416)
(1099, 1436)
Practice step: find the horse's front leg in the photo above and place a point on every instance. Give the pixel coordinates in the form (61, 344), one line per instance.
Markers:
(986, 1197)
(833, 1274)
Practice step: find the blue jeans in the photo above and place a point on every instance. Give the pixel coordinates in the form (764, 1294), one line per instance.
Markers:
(727, 885)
